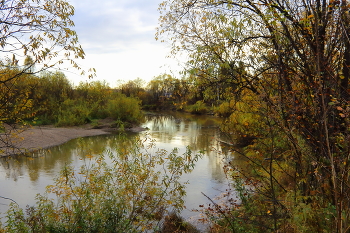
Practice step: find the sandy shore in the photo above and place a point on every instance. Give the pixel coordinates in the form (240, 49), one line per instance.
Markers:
(35, 138)
(41, 138)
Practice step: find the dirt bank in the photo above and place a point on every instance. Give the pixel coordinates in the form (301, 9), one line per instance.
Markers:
(17, 141)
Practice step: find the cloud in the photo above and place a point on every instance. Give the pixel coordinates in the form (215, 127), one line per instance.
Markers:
(145, 62)
(118, 39)
(115, 25)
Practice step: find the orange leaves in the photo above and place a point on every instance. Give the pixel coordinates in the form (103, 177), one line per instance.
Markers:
(313, 192)
(89, 156)
(342, 112)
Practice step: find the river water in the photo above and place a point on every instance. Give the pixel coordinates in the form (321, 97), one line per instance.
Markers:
(23, 177)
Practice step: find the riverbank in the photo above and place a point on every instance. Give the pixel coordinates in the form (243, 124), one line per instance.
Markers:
(29, 139)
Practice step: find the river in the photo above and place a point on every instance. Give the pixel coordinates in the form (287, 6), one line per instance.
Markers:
(23, 177)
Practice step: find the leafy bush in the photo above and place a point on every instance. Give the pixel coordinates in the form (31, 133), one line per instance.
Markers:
(99, 110)
(198, 108)
(225, 109)
(175, 223)
(73, 112)
(51, 99)
(130, 191)
(245, 122)
(124, 108)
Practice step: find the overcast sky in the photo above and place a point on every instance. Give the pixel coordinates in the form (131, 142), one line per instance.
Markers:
(118, 37)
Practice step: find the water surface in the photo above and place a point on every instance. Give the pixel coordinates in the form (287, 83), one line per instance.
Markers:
(24, 177)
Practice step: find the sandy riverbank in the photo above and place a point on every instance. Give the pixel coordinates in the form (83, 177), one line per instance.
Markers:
(18, 141)
(41, 138)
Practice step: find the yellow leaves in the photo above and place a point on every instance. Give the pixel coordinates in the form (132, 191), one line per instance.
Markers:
(131, 189)
(45, 22)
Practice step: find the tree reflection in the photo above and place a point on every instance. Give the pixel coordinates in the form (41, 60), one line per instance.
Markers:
(200, 133)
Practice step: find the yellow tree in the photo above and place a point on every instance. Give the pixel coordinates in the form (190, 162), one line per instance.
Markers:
(38, 33)
(295, 59)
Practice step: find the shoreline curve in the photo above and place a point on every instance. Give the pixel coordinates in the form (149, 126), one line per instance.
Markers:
(20, 141)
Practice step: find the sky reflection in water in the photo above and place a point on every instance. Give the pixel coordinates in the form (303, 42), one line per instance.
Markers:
(23, 177)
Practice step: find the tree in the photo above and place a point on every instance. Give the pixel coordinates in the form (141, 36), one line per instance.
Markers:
(132, 88)
(161, 86)
(51, 89)
(296, 60)
(39, 34)
(39, 29)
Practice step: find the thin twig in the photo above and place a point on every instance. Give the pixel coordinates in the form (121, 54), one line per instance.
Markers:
(9, 199)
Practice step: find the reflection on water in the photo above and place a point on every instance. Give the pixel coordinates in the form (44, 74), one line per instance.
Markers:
(23, 177)
(200, 133)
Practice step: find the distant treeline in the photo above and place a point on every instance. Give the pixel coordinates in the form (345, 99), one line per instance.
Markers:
(49, 98)
(188, 93)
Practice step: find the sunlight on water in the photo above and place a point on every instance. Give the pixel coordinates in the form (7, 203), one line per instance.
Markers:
(23, 177)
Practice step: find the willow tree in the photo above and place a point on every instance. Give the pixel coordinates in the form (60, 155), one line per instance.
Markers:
(294, 56)
(38, 34)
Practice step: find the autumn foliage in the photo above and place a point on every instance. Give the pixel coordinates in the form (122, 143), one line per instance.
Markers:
(287, 66)
(127, 191)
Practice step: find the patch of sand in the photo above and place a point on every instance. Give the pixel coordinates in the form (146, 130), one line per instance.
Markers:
(36, 138)
(18, 141)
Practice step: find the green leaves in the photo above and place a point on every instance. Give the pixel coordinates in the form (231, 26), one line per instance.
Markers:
(127, 191)
(41, 29)
(291, 58)
(39, 33)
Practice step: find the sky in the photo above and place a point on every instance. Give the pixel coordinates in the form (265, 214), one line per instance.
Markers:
(118, 37)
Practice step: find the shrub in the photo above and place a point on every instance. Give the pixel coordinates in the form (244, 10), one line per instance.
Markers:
(117, 106)
(198, 108)
(225, 109)
(174, 223)
(129, 191)
(73, 112)
(124, 108)
(98, 110)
